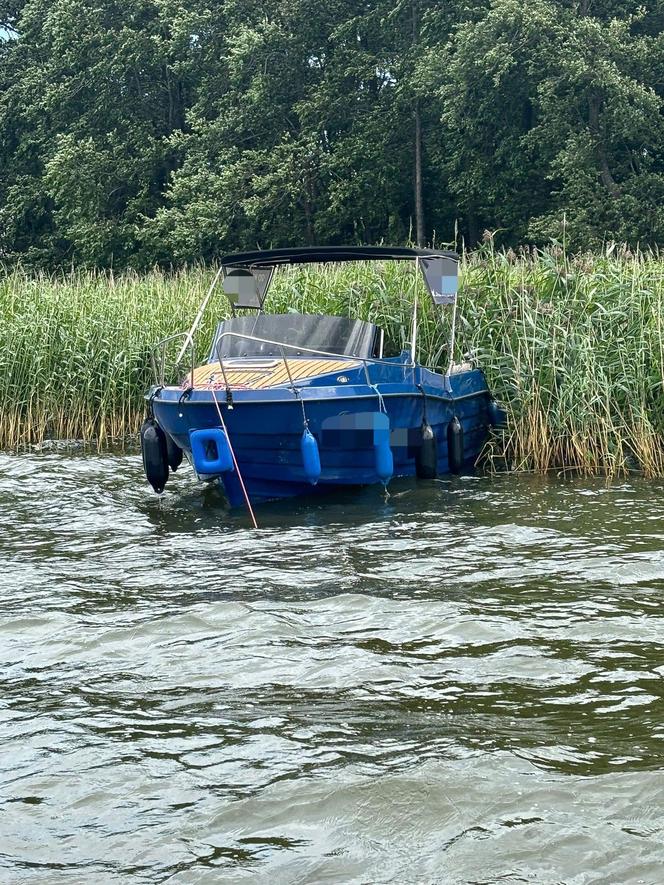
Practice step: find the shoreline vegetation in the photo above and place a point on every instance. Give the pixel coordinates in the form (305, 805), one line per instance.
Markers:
(572, 346)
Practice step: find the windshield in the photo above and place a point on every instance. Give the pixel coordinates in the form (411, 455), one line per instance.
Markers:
(333, 335)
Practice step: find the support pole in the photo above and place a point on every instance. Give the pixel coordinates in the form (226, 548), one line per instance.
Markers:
(199, 315)
(413, 333)
(452, 337)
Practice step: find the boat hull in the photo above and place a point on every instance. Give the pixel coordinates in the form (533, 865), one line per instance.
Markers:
(265, 427)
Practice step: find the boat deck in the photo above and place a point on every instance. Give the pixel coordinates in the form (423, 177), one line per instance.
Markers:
(259, 374)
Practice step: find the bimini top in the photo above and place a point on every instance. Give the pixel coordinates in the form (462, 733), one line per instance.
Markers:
(247, 275)
(319, 254)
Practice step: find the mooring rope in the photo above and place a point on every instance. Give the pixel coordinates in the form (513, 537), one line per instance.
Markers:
(237, 467)
(381, 401)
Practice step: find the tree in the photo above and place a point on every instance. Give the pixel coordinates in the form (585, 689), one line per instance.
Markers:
(554, 118)
(92, 92)
(134, 131)
(602, 132)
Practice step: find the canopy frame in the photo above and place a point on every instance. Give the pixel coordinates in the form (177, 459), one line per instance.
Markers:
(247, 276)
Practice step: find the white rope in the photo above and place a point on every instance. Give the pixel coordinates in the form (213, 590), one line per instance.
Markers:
(381, 401)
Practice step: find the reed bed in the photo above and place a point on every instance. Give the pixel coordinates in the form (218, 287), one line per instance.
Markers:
(572, 346)
(74, 350)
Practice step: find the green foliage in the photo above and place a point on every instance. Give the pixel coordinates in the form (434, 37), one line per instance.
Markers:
(574, 347)
(91, 91)
(556, 113)
(135, 132)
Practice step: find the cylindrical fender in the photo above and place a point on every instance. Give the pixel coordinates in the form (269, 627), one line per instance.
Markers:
(310, 456)
(497, 416)
(384, 462)
(455, 445)
(383, 458)
(173, 453)
(426, 458)
(155, 457)
(210, 451)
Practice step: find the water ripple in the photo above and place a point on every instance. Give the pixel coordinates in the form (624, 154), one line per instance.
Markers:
(461, 683)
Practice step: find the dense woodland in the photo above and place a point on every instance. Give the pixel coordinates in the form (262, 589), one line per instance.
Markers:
(143, 131)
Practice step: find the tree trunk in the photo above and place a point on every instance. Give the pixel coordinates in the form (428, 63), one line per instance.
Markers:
(473, 228)
(420, 233)
(307, 205)
(608, 180)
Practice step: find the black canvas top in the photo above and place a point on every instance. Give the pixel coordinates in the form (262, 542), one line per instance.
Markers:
(316, 254)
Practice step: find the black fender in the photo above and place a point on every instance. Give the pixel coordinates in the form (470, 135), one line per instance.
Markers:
(173, 453)
(455, 445)
(155, 454)
(426, 457)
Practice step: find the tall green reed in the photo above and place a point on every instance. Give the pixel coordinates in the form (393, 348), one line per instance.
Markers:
(74, 350)
(573, 347)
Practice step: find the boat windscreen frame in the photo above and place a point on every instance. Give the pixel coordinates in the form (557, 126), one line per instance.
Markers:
(338, 336)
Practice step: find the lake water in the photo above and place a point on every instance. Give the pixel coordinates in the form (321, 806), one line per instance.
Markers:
(460, 684)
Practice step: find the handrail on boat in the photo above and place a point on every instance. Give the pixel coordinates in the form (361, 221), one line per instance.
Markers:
(159, 365)
(326, 353)
(159, 368)
(281, 345)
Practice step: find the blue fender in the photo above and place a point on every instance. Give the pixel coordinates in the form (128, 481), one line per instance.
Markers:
(210, 451)
(310, 456)
(384, 459)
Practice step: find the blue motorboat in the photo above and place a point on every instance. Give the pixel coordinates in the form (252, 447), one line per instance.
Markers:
(287, 404)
